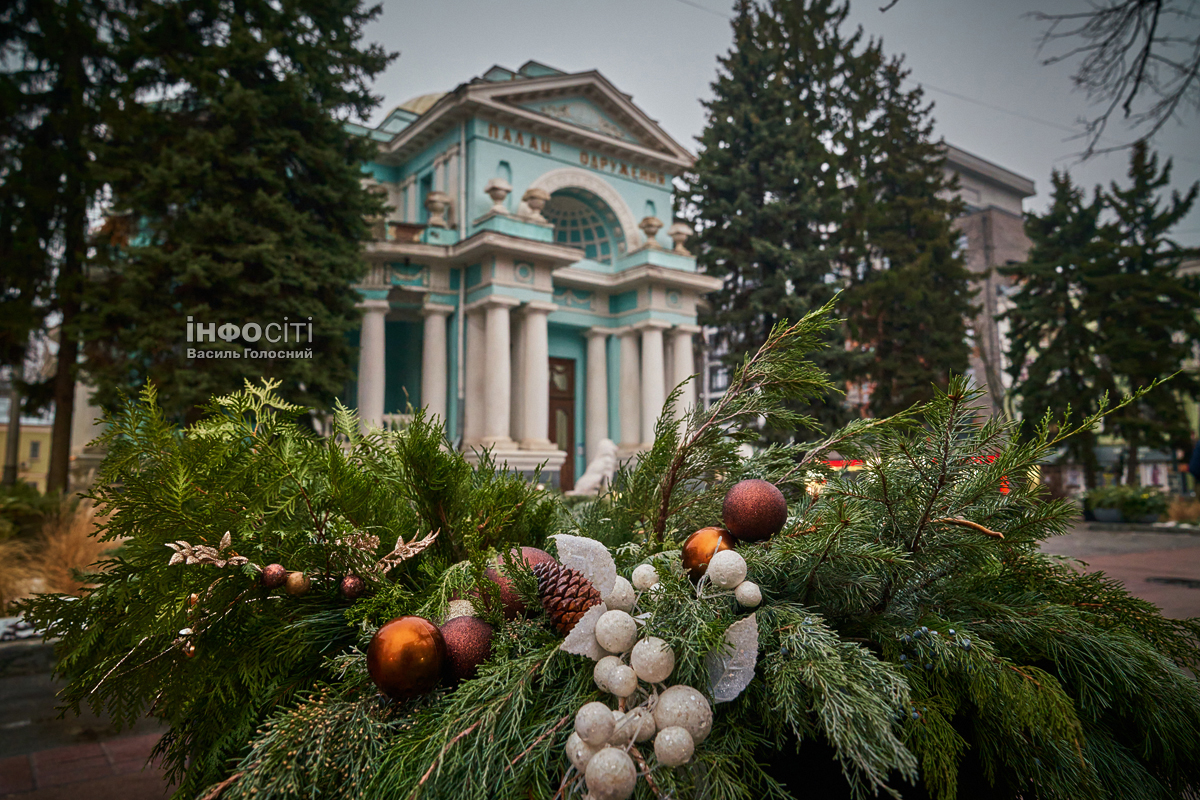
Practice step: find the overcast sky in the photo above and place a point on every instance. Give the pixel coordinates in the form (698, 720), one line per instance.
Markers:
(977, 59)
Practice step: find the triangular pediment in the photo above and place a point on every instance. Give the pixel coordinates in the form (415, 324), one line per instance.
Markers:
(588, 102)
(582, 113)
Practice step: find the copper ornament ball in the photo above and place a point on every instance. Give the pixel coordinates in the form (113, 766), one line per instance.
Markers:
(468, 644)
(511, 602)
(701, 546)
(406, 657)
(754, 510)
(274, 576)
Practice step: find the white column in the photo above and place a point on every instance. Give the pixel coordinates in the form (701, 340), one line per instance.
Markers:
(497, 380)
(474, 399)
(452, 185)
(631, 391)
(683, 365)
(371, 377)
(653, 390)
(410, 201)
(520, 377)
(536, 416)
(433, 360)
(597, 389)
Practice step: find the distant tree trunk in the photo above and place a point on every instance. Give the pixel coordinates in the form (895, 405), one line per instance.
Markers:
(70, 275)
(1133, 472)
(12, 446)
(1089, 460)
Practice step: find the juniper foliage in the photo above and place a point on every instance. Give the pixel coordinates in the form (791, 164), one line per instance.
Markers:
(913, 640)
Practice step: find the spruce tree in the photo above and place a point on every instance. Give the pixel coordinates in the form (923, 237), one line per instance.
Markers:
(908, 637)
(764, 190)
(1144, 310)
(1052, 354)
(909, 291)
(58, 81)
(241, 196)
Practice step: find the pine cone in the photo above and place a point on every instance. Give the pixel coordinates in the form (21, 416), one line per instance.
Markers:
(565, 594)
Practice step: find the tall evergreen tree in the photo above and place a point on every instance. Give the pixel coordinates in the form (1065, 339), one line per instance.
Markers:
(1052, 351)
(243, 196)
(909, 291)
(764, 187)
(817, 173)
(1145, 311)
(57, 82)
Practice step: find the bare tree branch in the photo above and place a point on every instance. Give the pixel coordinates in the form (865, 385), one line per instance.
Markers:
(1139, 56)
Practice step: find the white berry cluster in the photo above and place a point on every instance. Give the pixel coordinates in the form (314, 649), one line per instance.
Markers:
(727, 569)
(677, 718)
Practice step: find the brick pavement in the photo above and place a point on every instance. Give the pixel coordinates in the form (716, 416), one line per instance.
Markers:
(1163, 568)
(116, 769)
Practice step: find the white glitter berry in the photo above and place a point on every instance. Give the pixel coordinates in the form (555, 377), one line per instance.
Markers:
(684, 706)
(727, 569)
(673, 746)
(579, 752)
(622, 681)
(652, 659)
(459, 608)
(602, 672)
(644, 576)
(594, 724)
(616, 631)
(748, 594)
(638, 724)
(610, 775)
(621, 597)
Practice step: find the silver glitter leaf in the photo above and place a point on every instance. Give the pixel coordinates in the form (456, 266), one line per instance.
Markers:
(177, 558)
(590, 558)
(581, 641)
(731, 666)
(226, 540)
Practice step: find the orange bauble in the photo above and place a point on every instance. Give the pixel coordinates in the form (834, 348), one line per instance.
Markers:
(406, 657)
(701, 546)
(754, 510)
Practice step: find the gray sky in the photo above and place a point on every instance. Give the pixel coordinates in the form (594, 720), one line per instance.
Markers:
(1018, 113)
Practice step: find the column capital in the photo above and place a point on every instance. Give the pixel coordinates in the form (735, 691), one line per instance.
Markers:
(692, 329)
(651, 324)
(369, 305)
(539, 306)
(492, 301)
(597, 331)
(431, 309)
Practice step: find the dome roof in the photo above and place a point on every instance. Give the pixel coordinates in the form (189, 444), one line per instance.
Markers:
(421, 103)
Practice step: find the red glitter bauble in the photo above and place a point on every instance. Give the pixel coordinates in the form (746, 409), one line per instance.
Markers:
(406, 656)
(513, 607)
(701, 546)
(274, 576)
(468, 644)
(754, 510)
(352, 587)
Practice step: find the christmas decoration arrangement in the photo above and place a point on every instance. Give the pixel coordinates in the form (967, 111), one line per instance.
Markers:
(370, 616)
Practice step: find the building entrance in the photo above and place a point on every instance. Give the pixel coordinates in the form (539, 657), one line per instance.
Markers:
(562, 416)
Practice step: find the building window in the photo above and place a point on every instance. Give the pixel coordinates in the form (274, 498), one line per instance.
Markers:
(577, 224)
(35, 450)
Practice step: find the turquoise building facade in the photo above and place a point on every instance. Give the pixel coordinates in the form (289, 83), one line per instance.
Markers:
(523, 285)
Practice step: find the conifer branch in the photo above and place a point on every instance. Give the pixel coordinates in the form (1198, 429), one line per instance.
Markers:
(966, 523)
(436, 761)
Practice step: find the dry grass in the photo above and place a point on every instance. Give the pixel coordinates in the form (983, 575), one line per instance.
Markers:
(1185, 509)
(52, 562)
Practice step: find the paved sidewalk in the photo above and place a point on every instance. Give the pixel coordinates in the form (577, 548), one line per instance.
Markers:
(115, 770)
(1163, 568)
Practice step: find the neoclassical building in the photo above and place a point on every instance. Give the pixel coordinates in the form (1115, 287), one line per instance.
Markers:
(526, 285)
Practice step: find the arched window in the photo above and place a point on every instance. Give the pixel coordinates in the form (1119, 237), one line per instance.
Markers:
(578, 223)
